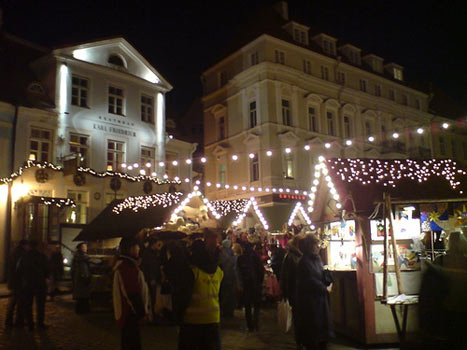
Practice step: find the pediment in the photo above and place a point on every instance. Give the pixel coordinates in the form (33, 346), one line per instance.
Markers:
(316, 141)
(288, 138)
(219, 150)
(251, 140)
(98, 53)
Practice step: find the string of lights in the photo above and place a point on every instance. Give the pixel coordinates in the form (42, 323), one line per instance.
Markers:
(62, 202)
(296, 210)
(259, 214)
(226, 207)
(187, 200)
(144, 202)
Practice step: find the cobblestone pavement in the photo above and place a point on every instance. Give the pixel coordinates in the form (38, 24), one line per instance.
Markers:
(98, 330)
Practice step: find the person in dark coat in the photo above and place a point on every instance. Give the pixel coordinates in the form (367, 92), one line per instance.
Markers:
(81, 278)
(251, 276)
(56, 270)
(14, 284)
(34, 273)
(313, 316)
(228, 264)
(277, 257)
(151, 266)
(288, 278)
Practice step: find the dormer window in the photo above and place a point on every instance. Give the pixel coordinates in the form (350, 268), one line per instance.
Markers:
(299, 36)
(354, 57)
(297, 31)
(329, 47)
(395, 71)
(374, 62)
(117, 61)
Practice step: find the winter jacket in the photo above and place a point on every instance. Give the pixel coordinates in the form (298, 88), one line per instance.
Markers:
(251, 276)
(288, 279)
(33, 270)
(81, 275)
(130, 292)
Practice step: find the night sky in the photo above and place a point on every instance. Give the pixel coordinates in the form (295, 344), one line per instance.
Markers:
(182, 38)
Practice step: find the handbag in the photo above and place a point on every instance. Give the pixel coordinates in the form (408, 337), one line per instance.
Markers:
(284, 315)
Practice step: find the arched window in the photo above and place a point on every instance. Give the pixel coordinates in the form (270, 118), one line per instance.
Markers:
(116, 60)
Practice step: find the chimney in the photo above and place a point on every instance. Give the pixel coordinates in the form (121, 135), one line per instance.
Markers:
(282, 8)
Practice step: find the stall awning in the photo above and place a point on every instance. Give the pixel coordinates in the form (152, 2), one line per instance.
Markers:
(120, 220)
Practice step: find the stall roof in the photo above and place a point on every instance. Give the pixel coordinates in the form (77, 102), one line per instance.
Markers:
(126, 217)
(365, 180)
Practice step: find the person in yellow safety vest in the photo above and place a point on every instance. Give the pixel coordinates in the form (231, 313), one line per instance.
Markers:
(200, 327)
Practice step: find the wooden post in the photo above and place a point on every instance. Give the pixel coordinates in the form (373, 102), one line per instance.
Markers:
(385, 265)
(393, 241)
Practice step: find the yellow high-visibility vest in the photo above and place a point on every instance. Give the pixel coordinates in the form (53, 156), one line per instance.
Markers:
(204, 303)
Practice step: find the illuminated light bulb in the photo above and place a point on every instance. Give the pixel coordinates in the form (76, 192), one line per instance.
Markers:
(288, 150)
(154, 174)
(252, 189)
(161, 164)
(269, 153)
(338, 205)
(148, 165)
(208, 184)
(188, 161)
(166, 176)
(123, 165)
(218, 185)
(348, 142)
(260, 189)
(244, 188)
(198, 182)
(171, 137)
(195, 188)
(176, 178)
(310, 209)
(142, 172)
(234, 157)
(235, 187)
(316, 182)
(174, 163)
(336, 197)
(327, 145)
(371, 139)
(395, 135)
(136, 165)
(187, 180)
(267, 189)
(109, 168)
(313, 189)
(203, 160)
(251, 155)
(227, 186)
(130, 167)
(321, 158)
(307, 147)
(419, 131)
(32, 156)
(310, 202)
(445, 125)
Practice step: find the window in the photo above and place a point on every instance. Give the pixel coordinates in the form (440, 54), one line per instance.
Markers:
(341, 78)
(376, 65)
(442, 146)
(454, 148)
(329, 47)
(254, 58)
(354, 57)
(404, 99)
(330, 123)
(286, 117)
(252, 114)
(307, 66)
(116, 60)
(368, 128)
(79, 91)
(221, 128)
(279, 56)
(417, 103)
(377, 90)
(347, 127)
(78, 214)
(391, 94)
(115, 100)
(324, 73)
(397, 73)
(40, 144)
(299, 36)
(363, 85)
(223, 78)
(115, 154)
(79, 145)
(147, 109)
(254, 168)
(222, 173)
(148, 157)
(289, 166)
(312, 122)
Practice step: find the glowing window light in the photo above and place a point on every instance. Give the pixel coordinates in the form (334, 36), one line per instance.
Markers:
(234, 157)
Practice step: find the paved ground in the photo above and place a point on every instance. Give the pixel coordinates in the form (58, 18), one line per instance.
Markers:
(97, 330)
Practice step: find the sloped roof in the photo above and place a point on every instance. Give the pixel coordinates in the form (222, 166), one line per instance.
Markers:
(16, 55)
(365, 180)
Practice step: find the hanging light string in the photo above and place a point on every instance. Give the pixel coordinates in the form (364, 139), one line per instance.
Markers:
(224, 207)
(259, 214)
(58, 202)
(144, 202)
(296, 210)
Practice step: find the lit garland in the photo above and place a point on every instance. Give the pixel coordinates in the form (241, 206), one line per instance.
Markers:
(187, 200)
(258, 189)
(226, 207)
(388, 172)
(259, 214)
(143, 202)
(58, 202)
(299, 209)
(30, 164)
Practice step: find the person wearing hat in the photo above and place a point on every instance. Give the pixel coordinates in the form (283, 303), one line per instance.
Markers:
(130, 294)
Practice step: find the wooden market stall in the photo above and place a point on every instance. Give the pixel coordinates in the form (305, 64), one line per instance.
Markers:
(348, 206)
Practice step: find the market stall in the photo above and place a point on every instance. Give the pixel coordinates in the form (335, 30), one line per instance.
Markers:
(347, 204)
